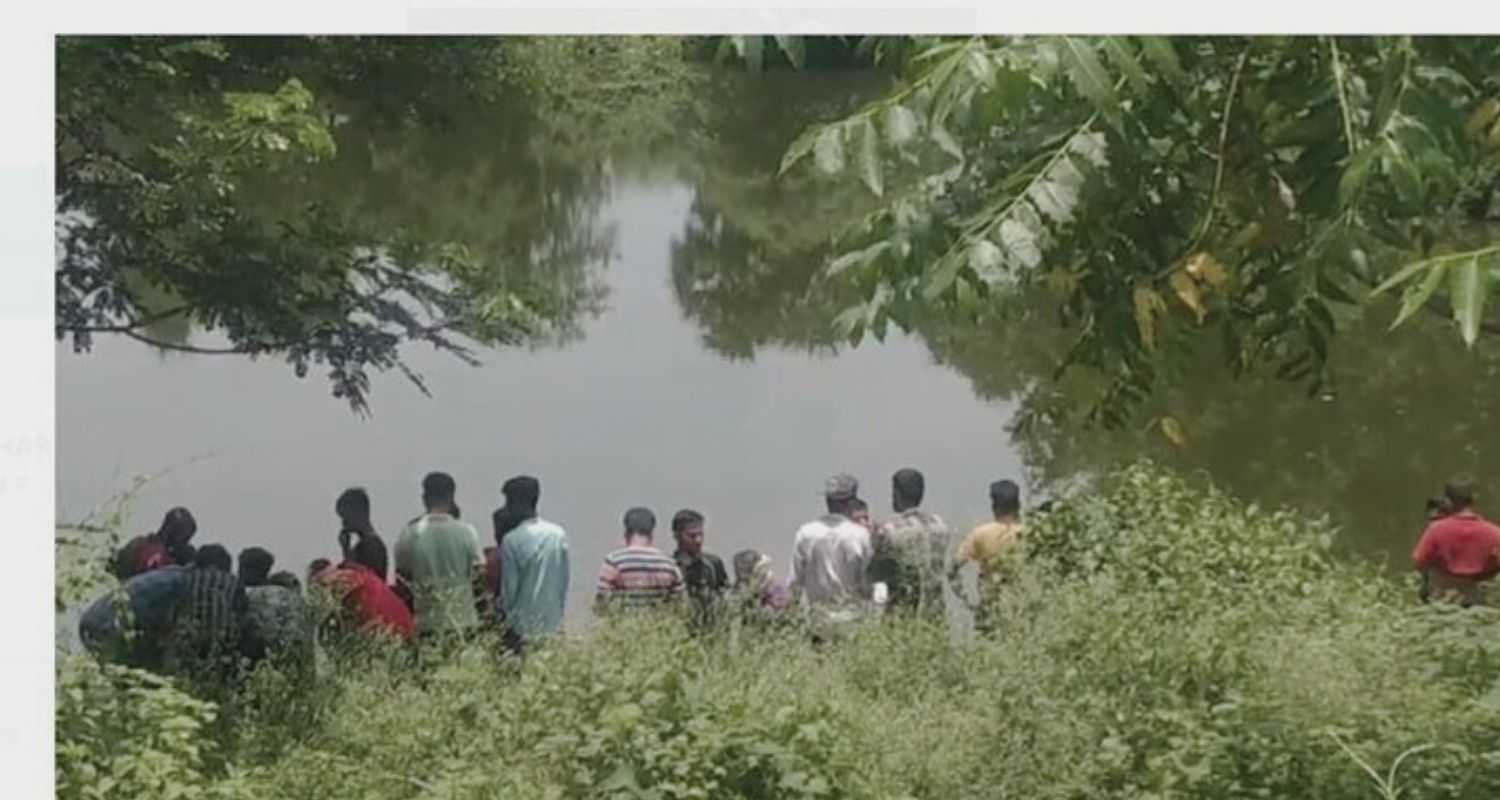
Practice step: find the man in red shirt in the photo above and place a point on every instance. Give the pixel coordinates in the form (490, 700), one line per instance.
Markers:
(370, 605)
(168, 546)
(1461, 547)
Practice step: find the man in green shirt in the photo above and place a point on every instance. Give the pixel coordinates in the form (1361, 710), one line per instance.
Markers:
(439, 558)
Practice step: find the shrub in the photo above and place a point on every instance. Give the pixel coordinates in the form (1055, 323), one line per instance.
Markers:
(1157, 642)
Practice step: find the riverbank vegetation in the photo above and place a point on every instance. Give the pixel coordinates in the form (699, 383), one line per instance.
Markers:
(1161, 641)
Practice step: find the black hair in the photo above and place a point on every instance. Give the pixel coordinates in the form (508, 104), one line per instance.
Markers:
(639, 520)
(522, 493)
(370, 551)
(685, 518)
(908, 486)
(354, 502)
(438, 487)
(177, 529)
(1005, 498)
(285, 580)
(1459, 492)
(318, 565)
(255, 565)
(214, 556)
(856, 504)
(505, 519)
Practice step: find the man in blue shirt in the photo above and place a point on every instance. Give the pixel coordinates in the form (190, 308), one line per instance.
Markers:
(534, 568)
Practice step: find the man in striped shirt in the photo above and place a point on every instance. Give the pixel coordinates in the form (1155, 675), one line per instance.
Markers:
(637, 575)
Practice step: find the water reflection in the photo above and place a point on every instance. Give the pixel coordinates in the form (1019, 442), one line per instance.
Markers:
(698, 370)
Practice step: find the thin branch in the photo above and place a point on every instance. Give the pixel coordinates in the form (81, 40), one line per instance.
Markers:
(1338, 80)
(1213, 195)
(134, 324)
(207, 351)
(1438, 308)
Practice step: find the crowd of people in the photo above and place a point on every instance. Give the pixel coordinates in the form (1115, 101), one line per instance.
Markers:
(188, 605)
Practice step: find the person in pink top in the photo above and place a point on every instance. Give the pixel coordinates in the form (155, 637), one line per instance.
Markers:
(1459, 548)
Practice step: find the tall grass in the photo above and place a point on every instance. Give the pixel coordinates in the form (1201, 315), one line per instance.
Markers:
(1159, 643)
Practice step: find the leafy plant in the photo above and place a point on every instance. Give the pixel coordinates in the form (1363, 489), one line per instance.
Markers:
(1160, 189)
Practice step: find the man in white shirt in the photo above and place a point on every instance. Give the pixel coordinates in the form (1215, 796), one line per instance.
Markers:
(829, 559)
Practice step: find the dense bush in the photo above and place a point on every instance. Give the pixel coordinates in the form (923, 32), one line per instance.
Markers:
(1160, 642)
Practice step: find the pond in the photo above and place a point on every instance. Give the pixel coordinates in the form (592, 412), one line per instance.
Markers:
(703, 371)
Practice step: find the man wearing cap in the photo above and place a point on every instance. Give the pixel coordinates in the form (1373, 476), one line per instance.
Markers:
(994, 546)
(829, 558)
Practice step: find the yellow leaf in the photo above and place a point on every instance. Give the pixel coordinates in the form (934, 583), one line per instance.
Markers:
(1062, 281)
(1187, 292)
(1487, 112)
(1173, 430)
(1148, 306)
(1205, 267)
(1246, 237)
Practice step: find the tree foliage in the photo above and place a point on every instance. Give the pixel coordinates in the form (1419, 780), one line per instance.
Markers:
(199, 182)
(1168, 192)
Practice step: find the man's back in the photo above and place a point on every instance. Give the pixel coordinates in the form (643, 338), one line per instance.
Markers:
(909, 554)
(369, 604)
(1461, 545)
(992, 546)
(829, 559)
(440, 555)
(210, 619)
(639, 576)
(279, 621)
(534, 574)
(151, 603)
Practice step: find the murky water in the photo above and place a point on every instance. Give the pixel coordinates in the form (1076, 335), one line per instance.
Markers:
(711, 380)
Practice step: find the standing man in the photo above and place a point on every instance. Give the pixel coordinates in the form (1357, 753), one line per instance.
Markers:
(534, 568)
(637, 575)
(439, 558)
(1460, 549)
(910, 549)
(704, 574)
(995, 546)
(830, 556)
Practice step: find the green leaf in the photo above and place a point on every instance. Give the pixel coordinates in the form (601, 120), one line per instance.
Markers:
(1118, 48)
(900, 125)
(1402, 276)
(828, 150)
(986, 260)
(1089, 78)
(1356, 174)
(798, 149)
(1469, 287)
(1397, 165)
(752, 48)
(1163, 54)
(869, 159)
(945, 140)
(1392, 85)
(1417, 294)
(942, 278)
(794, 49)
(980, 67)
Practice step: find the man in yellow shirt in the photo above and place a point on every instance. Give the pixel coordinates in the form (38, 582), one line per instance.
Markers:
(995, 547)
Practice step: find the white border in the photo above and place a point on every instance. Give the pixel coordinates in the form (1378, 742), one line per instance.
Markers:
(26, 407)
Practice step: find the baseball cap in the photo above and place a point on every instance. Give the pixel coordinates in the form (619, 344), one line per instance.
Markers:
(842, 486)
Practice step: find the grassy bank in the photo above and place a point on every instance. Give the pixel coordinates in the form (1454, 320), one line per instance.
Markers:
(1161, 643)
